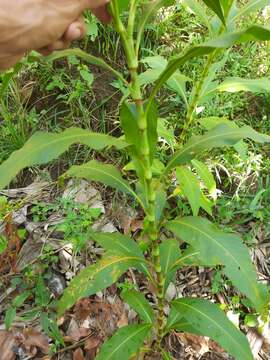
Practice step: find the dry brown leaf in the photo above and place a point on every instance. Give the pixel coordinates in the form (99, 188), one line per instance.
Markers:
(123, 321)
(78, 354)
(77, 334)
(34, 339)
(83, 309)
(91, 345)
(7, 343)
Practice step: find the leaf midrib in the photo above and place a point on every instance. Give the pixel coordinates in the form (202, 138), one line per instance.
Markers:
(213, 321)
(226, 251)
(125, 341)
(187, 148)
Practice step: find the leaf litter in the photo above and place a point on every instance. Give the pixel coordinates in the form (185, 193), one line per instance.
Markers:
(92, 320)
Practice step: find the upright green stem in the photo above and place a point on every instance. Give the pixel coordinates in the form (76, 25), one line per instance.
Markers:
(194, 103)
(151, 227)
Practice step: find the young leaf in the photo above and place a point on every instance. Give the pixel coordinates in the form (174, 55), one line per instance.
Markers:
(169, 255)
(222, 135)
(95, 278)
(216, 247)
(104, 173)
(129, 122)
(215, 5)
(201, 317)
(190, 187)
(124, 343)
(206, 176)
(118, 244)
(138, 302)
(44, 147)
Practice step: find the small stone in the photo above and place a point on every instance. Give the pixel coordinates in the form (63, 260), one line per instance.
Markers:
(57, 284)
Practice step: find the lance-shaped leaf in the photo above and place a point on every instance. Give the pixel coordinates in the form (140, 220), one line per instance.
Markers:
(219, 248)
(151, 7)
(169, 255)
(251, 6)
(190, 187)
(254, 33)
(222, 135)
(86, 57)
(119, 244)
(138, 302)
(215, 5)
(124, 343)
(104, 173)
(200, 12)
(157, 64)
(235, 84)
(206, 176)
(95, 278)
(44, 147)
(201, 317)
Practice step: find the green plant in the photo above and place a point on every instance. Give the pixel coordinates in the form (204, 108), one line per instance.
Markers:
(154, 189)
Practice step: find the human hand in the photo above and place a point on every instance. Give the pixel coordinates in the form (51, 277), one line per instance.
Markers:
(42, 25)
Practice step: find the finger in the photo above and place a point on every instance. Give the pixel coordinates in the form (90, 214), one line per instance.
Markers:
(75, 31)
(90, 4)
(9, 61)
(57, 45)
(102, 14)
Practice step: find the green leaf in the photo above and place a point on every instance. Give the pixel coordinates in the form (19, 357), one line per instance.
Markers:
(211, 122)
(42, 295)
(44, 147)
(222, 135)
(254, 33)
(138, 302)
(20, 299)
(86, 57)
(123, 5)
(87, 77)
(250, 7)
(199, 11)
(219, 248)
(95, 278)
(206, 177)
(235, 84)
(118, 244)
(215, 5)
(201, 317)
(125, 343)
(169, 255)
(129, 118)
(104, 173)
(9, 317)
(177, 82)
(166, 132)
(190, 187)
